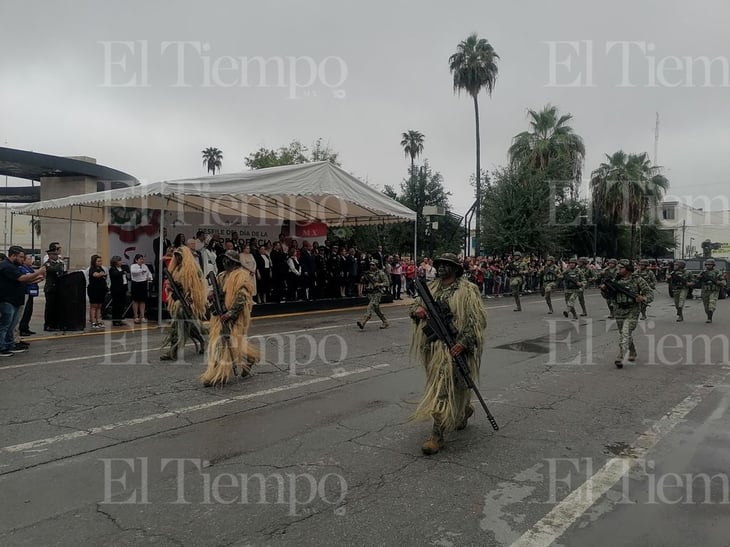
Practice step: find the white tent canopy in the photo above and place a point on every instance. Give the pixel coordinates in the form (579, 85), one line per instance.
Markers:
(310, 192)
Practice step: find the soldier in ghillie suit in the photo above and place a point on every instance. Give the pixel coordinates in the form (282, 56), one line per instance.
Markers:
(711, 281)
(575, 282)
(517, 271)
(680, 280)
(627, 306)
(375, 284)
(447, 400)
(549, 276)
(229, 346)
(588, 277)
(609, 272)
(185, 324)
(648, 276)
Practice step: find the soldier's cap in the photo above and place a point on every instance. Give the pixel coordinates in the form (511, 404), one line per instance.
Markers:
(573, 260)
(451, 259)
(626, 264)
(583, 259)
(643, 262)
(612, 260)
(710, 262)
(517, 253)
(551, 258)
(373, 262)
(233, 256)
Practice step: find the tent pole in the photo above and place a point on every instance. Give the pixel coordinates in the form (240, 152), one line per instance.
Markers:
(70, 225)
(161, 264)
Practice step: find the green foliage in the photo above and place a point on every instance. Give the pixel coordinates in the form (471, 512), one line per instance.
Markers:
(293, 154)
(212, 159)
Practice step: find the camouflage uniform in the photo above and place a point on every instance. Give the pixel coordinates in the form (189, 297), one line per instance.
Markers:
(710, 280)
(680, 280)
(588, 275)
(575, 282)
(647, 275)
(549, 276)
(609, 272)
(517, 271)
(375, 285)
(626, 311)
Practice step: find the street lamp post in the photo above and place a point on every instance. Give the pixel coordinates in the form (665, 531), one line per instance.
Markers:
(691, 246)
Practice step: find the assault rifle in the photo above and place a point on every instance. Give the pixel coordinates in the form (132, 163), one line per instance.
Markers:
(440, 326)
(177, 293)
(219, 308)
(616, 287)
(370, 280)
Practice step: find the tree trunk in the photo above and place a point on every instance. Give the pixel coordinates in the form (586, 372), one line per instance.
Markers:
(632, 241)
(478, 212)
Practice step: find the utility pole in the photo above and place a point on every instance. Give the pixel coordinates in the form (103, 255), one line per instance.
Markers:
(684, 227)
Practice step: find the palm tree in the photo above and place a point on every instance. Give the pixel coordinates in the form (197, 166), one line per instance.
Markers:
(412, 143)
(474, 67)
(212, 159)
(551, 146)
(625, 187)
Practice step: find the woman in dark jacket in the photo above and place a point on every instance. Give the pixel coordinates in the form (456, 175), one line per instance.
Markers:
(119, 287)
(96, 291)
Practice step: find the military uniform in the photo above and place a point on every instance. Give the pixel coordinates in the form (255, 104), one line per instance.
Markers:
(710, 280)
(588, 275)
(375, 285)
(517, 271)
(575, 282)
(627, 310)
(680, 280)
(549, 277)
(609, 272)
(647, 275)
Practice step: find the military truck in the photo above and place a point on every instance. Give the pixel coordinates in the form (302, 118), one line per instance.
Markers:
(697, 265)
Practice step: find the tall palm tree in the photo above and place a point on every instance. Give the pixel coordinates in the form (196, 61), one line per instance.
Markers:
(625, 187)
(474, 67)
(551, 146)
(212, 159)
(412, 143)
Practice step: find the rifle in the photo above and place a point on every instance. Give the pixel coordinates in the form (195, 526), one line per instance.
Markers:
(218, 302)
(615, 287)
(440, 326)
(176, 293)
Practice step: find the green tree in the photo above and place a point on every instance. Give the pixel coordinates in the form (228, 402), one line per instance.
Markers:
(294, 153)
(553, 148)
(212, 159)
(624, 189)
(474, 67)
(412, 143)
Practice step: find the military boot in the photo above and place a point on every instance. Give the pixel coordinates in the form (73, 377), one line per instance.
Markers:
(362, 323)
(467, 414)
(585, 313)
(619, 361)
(518, 306)
(575, 316)
(709, 317)
(435, 442)
(549, 302)
(680, 314)
(632, 352)
(385, 325)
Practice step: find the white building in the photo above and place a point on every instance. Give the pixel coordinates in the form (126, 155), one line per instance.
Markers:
(692, 226)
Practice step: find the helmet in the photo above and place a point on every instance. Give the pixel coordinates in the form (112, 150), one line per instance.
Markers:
(451, 259)
(573, 260)
(550, 258)
(643, 262)
(626, 264)
(517, 254)
(583, 259)
(710, 262)
(612, 261)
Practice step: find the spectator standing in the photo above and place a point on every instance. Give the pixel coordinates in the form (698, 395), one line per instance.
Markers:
(119, 285)
(96, 290)
(141, 277)
(31, 290)
(12, 296)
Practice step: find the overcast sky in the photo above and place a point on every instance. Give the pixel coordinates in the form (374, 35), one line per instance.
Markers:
(96, 79)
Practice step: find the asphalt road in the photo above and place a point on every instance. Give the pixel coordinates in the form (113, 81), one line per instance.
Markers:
(103, 444)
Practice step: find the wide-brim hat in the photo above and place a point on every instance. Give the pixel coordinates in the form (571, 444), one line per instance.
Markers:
(233, 256)
(451, 259)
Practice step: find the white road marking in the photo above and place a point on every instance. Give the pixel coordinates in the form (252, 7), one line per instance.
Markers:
(553, 525)
(34, 445)
(145, 350)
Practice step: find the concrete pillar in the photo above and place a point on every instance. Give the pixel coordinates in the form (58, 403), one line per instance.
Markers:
(84, 235)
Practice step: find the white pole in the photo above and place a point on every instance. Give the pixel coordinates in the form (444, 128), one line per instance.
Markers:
(415, 239)
(70, 225)
(160, 265)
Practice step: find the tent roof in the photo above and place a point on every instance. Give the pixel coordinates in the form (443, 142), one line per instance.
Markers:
(310, 192)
